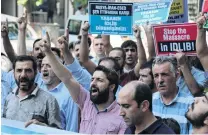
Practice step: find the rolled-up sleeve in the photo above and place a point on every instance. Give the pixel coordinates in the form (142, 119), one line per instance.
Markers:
(80, 74)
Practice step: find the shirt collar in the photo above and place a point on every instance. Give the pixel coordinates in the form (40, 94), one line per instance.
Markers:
(154, 126)
(108, 109)
(34, 92)
(174, 100)
(149, 130)
(58, 87)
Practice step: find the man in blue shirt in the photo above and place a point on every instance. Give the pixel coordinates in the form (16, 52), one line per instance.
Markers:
(52, 84)
(191, 80)
(169, 101)
(5, 90)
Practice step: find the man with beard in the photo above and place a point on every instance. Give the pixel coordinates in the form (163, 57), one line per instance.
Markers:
(37, 53)
(135, 100)
(51, 83)
(99, 110)
(198, 115)
(28, 103)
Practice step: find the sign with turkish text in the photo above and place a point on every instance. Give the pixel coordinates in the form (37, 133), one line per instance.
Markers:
(179, 37)
(151, 11)
(110, 18)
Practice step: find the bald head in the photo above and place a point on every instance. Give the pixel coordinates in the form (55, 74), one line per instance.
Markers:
(129, 89)
(138, 91)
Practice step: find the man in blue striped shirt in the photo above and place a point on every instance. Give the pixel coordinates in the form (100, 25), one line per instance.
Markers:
(169, 101)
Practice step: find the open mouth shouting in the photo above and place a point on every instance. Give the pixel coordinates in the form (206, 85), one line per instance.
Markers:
(94, 91)
(24, 82)
(45, 74)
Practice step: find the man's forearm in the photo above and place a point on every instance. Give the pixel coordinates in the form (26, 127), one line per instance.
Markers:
(84, 49)
(68, 58)
(193, 86)
(141, 52)
(141, 56)
(201, 44)
(150, 44)
(61, 72)
(64, 75)
(9, 49)
(21, 49)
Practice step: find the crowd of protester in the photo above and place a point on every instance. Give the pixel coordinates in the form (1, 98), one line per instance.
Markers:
(118, 91)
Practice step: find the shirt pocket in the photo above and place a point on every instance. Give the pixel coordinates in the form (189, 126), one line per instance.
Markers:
(112, 129)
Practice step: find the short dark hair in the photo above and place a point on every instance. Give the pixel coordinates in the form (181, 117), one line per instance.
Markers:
(57, 51)
(25, 58)
(116, 66)
(36, 41)
(148, 64)
(122, 50)
(129, 43)
(143, 92)
(173, 124)
(88, 40)
(111, 75)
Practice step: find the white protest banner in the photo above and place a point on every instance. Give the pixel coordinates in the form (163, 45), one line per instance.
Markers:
(17, 127)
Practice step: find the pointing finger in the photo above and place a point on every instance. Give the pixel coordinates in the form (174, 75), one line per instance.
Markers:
(47, 37)
(7, 22)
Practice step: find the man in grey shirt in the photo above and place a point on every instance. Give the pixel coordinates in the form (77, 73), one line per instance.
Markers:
(28, 103)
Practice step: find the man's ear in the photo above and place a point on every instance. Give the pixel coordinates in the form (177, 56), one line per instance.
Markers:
(112, 87)
(145, 105)
(206, 121)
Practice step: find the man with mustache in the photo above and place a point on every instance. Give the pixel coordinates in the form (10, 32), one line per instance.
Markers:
(99, 110)
(198, 115)
(51, 83)
(29, 103)
(169, 101)
(37, 53)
